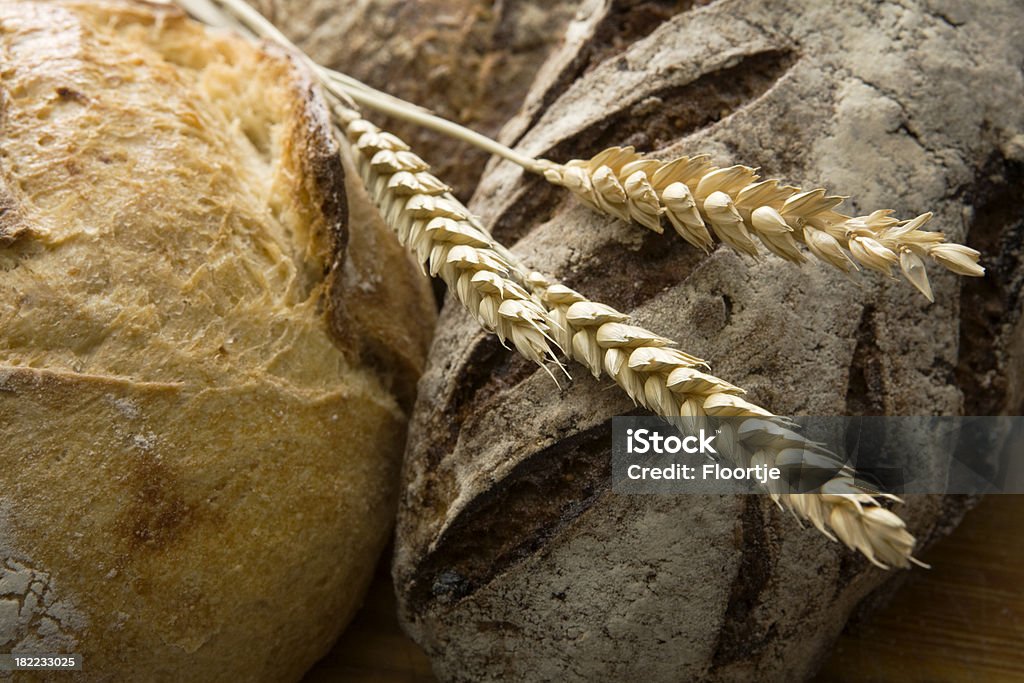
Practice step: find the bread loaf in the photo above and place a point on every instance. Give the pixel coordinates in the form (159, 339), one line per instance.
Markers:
(205, 366)
(514, 558)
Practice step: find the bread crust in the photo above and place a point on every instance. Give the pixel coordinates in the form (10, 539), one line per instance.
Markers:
(203, 384)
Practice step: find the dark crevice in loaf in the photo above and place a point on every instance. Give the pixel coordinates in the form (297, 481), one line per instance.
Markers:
(658, 264)
(745, 628)
(514, 519)
(488, 370)
(664, 116)
(536, 202)
(865, 388)
(991, 342)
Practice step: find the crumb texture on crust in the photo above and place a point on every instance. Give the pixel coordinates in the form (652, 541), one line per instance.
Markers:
(201, 404)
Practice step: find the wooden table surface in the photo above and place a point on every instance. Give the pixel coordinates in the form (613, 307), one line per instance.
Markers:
(962, 620)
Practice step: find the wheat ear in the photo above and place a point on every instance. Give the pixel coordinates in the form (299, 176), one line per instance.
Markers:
(531, 311)
(695, 195)
(667, 381)
(670, 383)
(702, 201)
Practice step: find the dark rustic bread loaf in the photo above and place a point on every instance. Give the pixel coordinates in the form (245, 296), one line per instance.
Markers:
(514, 560)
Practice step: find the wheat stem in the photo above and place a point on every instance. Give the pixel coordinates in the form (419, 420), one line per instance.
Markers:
(393, 106)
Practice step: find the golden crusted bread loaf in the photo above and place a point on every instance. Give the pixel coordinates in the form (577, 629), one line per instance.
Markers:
(202, 390)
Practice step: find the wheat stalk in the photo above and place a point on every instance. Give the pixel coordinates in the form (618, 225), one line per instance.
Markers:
(702, 201)
(663, 379)
(695, 195)
(440, 232)
(532, 312)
